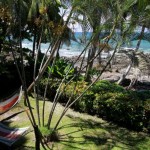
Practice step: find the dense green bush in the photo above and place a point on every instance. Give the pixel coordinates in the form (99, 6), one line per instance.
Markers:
(123, 108)
(108, 100)
(74, 90)
(113, 102)
(104, 86)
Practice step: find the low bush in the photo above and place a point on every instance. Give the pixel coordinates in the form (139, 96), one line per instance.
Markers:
(111, 101)
(73, 90)
(104, 86)
(130, 109)
(123, 108)
(51, 88)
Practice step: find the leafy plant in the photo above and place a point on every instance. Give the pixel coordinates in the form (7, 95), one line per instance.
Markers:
(62, 68)
(93, 72)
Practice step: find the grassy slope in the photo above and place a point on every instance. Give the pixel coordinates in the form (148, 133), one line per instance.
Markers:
(81, 132)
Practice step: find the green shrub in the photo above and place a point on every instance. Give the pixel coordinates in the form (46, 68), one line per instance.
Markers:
(108, 100)
(123, 108)
(147, 114)
(111, 101)
(104, 86)
(86, 103)
(74, 90)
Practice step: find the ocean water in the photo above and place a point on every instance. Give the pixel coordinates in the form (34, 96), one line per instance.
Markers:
(75, 48)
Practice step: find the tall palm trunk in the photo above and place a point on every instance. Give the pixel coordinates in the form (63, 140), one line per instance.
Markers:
(32, 119)
(35, 31)
(34, 43)
(91, 55)
(140, 38)
(132, 60)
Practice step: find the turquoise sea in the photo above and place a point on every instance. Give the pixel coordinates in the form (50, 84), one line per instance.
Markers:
(75, 48)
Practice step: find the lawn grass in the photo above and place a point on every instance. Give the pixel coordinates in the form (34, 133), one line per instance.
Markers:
(78, 131)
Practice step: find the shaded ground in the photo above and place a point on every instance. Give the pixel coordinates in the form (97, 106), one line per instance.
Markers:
(78, 131)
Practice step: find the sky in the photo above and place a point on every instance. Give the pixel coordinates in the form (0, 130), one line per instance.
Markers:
(76, 27)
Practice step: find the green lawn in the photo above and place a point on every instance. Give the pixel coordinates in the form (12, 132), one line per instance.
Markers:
(79, 132)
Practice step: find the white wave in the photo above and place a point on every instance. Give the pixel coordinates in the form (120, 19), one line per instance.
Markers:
(75, 49)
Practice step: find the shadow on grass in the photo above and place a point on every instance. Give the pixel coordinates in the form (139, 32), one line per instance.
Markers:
(11, 116)
(132, 140)
(77, 136)
(103, 135)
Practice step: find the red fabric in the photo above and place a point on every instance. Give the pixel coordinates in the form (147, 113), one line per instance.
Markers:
(9, 105)
(10, 136)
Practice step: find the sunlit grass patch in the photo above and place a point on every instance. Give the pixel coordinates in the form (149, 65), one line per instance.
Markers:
(78, 131)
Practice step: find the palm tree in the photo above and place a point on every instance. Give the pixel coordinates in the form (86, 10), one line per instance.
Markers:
(4, 19)
(106, 14)
(139, 17)
(93, 14)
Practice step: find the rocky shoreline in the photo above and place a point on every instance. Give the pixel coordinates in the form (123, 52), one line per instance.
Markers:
(118, 67)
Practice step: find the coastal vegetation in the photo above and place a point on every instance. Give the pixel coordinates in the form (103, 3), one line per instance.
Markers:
(74, 83)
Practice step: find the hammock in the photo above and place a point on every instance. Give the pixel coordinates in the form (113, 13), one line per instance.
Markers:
(7, 104)
(9, 136)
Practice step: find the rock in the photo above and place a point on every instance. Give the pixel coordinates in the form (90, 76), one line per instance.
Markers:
(112, 79)
(125, 82)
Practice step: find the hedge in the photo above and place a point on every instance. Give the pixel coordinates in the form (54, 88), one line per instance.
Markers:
(127, 108)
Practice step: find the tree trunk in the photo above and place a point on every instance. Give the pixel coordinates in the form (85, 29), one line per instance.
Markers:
(132, 61)
(34, 44)
(35, 31)
(37, 138)
(140, 38)
(90, 64)
(45, 65)
(125, 74)
(91, 55)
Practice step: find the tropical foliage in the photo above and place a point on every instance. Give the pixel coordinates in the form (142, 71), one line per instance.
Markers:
(107, 100)
(40, 21)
